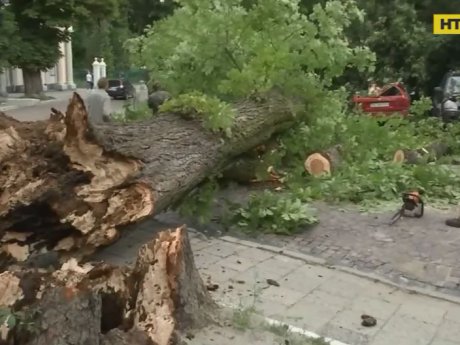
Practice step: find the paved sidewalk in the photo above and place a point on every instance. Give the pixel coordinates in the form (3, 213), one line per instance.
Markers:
(16, 101)
(316, 298)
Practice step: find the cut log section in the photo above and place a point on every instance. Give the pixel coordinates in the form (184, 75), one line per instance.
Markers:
(69, 186)
(417, 156)
(320, 163)
(100, 304)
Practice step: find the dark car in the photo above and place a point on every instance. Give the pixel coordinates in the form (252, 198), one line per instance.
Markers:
(448, 89)
(120, 89)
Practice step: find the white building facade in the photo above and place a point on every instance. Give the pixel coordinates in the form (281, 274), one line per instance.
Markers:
(60, 77)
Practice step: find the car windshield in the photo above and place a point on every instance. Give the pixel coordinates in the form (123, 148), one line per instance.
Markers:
(390, 90)
(114, 83)
(453, 85)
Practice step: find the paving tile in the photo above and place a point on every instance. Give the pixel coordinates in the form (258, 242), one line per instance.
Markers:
(351, 319)
(254, 254)
(422, 309)
(376, 307)
(426, 250)
(239, 290)
(237, 263)
(341, 287)
(220, 249)
(312, 316)
(449, 330)
(347, 335)
(389, 338)
(452, 312)
(407, 329)
(205, 260)
(197, 245)
(281, 295)
(439, 341)
(326, 299)
(233, 300)
(260, 273)
(279, 265)
(303, 279)
(218, 274)
(270, 308)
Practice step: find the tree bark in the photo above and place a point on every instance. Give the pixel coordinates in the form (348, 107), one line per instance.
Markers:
(69, 186)
(160, 297)
(33, 86)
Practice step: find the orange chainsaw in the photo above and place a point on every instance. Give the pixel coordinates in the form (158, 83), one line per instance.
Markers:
(413, 206)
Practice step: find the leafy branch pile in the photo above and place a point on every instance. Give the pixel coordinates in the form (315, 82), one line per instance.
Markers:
(368, 174)
(211, 53)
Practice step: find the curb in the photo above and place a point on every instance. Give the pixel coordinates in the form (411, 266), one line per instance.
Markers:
(291, 329)
(8, 108)
(321, 262)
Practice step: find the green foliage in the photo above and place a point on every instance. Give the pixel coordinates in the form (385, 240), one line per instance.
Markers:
(21, 321)
(217, 115)
(211, 52)
(227, 50)
(198, 203)
(274, 213)
(142, 13)
(7, 317)
(421, 108)
(7, 36)
(136, 111)
(38, 27)
(367, 175)
(105, 38)
(394, 31)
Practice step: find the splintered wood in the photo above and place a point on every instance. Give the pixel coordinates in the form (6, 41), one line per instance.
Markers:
(100, 304)
(61, 189)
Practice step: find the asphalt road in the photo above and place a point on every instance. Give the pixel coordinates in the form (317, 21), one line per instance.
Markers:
(42, 110)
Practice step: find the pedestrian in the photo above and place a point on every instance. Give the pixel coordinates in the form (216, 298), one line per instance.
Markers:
(89, 80)
(98, 103)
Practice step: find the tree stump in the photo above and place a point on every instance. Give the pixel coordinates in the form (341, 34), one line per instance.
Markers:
(151, 303)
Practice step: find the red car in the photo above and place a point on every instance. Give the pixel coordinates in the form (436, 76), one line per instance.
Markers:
(393, 98)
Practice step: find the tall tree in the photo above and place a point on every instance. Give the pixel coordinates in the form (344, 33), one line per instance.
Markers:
(142, 13)
(7, 34)
(42, 25)
(104, 39)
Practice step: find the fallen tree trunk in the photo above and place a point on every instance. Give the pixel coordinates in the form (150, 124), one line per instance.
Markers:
(324, 162)
(425, 154)
(68, 186)
(253, 166)
(247, 170)
(160, 297)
